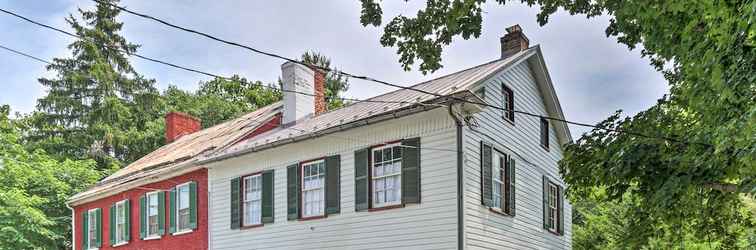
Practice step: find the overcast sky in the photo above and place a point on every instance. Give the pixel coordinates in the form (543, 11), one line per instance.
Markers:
(593, 75)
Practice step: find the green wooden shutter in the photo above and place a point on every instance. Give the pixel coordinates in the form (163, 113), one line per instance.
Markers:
(142, 217)
(98, 213)
(112, 220)
(512, 185)
(361, 182)
(545, 202)
(193, 205)
(161, 213)
(560, 211)
(411, 170)
(235, 203)
(292, 192)
(333, 185)
(172, 216)
(486, 170)
(268, 187)
(127, 208)
(85, 230)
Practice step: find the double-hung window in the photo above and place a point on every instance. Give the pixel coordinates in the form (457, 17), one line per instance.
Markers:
(182, 207)
(387, 175)
(552, 207)
(499, 161)
(120, 211)
(153, 212)
(92, 229)
(313, 193)
(252, 200)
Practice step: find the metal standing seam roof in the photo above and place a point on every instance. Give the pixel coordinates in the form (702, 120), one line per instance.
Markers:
(186, 148)
(445, 85)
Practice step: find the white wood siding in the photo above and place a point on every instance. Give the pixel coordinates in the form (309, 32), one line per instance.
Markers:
(483, 228)
(429, 225)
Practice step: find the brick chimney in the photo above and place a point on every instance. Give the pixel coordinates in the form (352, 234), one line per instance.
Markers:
(514, 41)
(178, 124)
(310, 85)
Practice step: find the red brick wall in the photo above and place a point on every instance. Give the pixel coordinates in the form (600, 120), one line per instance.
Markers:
(320, 102)
(190, 241)
(178, 124)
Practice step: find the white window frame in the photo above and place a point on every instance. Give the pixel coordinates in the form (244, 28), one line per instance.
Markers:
(91, 228)
(245, 202)
(149, 234)
(120, 239)
(304, 191)
(188, 228)
(552, 206)
(498, 161)
(397, 174)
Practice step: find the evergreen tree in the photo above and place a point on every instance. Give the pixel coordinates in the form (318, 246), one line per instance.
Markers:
(336, 84)
(97, 105)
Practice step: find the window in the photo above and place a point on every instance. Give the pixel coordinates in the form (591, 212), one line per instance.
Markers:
(252, 200)
(153, 212)
(121, 228)
(508, 103)
(552, 208)
(92, 229)
(182, 207)
(545, 133)
(499, 162)
(313, 195)
(387, 175)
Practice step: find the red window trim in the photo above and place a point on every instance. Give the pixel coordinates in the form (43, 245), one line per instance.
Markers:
(370, 177)
(300, 169)
(241, 201)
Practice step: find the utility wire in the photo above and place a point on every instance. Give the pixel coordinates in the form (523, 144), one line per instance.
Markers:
(175, 65)
(26, 55)
(367, 78)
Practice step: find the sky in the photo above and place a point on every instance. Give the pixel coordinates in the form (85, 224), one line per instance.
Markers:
(593, 74)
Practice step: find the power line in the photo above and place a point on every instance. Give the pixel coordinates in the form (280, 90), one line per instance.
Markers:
(175, 65)
(367, 78)
(26, 55)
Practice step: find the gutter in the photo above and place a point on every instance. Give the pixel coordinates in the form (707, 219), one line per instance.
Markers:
(460, 179)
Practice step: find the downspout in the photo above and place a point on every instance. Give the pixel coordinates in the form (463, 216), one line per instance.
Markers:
(73, 227)
(460, 187)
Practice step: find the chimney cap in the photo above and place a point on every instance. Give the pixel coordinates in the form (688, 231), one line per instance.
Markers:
(514, 28)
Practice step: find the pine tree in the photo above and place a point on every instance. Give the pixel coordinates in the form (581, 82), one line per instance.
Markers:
(336, 83)
(97, 104)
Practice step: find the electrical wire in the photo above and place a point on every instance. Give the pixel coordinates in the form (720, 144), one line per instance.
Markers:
(367, 78)
(26, 55)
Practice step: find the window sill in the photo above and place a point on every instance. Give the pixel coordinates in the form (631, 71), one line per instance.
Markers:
(251, 226)
(386, 208)
(154, 237)
(498, 211)
(312, 218)
(182, 232)
(545, 148)
(506, 119)
(554, 232)
(120, 244)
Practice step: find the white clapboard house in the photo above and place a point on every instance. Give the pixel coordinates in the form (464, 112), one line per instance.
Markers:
(406, 170)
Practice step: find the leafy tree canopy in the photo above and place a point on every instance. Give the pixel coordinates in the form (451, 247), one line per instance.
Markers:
(705, 49)
(33, 214)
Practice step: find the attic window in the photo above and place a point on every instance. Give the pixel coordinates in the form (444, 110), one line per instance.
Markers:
(481, 92)
(507, 103)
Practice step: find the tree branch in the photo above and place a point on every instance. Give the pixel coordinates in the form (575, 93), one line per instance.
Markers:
(724, 187)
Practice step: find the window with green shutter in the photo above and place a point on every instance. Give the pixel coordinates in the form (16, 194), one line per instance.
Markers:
(553, 207)
(152, 215)
(497, 179)
(410, 171)
(92, 228)
(486, 177)
(388, 175)
(235, 203)
(118, 218)
(182, 208)
(333, 185)
(361, 182)
(267, 212)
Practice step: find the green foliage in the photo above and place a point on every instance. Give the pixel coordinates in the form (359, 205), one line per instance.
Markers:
(221, 99)
(96, 105)
(336, 84)
(35, 185)
(706, 50)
